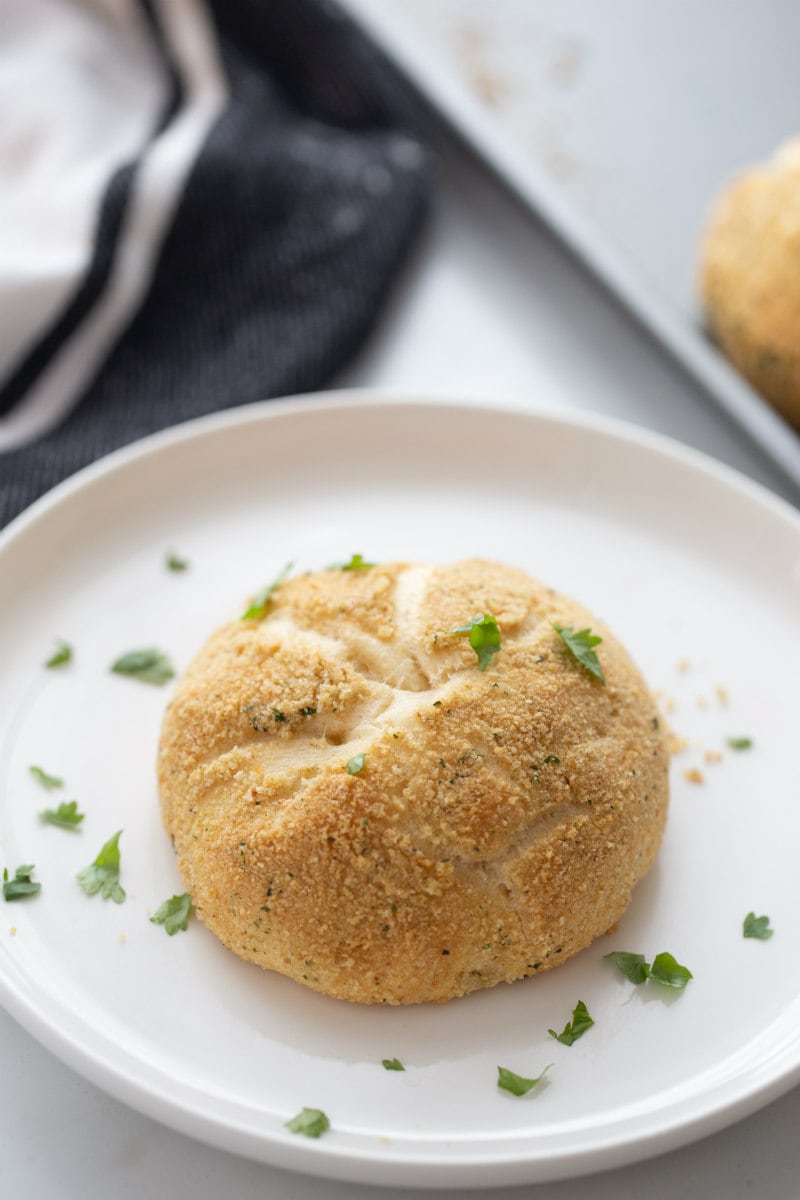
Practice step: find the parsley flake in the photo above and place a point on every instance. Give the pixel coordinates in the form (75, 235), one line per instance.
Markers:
(392, 1064)
(261, 601)
(102, 875)
(61, 656)
(356, 764)
(631, 965)
(47, 781)
(174, 563)
(668, 971)
(66, 816)
(21, 885)
(149, 666)
(484, 637)
(277, 715)
(739, 743)
(665, 969)
(518, 1085)
(308, 711)
(357, 563)
(580, 646)
(756, 927)
(581, 1021)
(311, 1122)
(174, 914)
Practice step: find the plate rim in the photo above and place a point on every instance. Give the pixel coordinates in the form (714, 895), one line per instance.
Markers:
(618, 428)
(426, 1165)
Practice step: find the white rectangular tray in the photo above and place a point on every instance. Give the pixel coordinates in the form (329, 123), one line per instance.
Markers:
(617, 123)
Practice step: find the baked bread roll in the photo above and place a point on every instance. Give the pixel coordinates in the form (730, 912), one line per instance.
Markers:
(750, 277)
(355, 803)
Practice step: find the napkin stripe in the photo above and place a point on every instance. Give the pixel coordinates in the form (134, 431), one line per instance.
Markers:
(134, 217)
(175, 83)
(112, 211)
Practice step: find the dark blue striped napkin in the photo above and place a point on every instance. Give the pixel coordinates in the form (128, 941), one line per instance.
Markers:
(204, 203)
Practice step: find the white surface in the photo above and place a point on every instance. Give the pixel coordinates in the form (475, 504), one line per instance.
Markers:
(489, 303)
(633, 119)
(605, 515)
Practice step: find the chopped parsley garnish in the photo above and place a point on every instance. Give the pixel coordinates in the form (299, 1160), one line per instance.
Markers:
(518, 1085)
(392, 1064)
(357, 563)
(308, 711)
(484, 637)
(175, 563)
(174, 914)
(311, 1122)
(552, 758)
(739, 743)
(631, 965)
(581, 1021)
(150, 666)
(261, 601)
(252, 715)
(665, 969)
(102, 875)
(581, 647)
(47, 781)
(356, 763)
(757, 927)
(21, 885)
(278, 716)
(66, 816)
(61, 656)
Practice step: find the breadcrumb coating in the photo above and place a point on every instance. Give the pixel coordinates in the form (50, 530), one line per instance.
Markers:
(499, 822)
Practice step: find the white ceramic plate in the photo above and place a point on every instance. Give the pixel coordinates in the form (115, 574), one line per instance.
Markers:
(691, 565)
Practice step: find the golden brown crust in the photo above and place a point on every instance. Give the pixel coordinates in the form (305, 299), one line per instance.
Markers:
(500, 820)
(750, 279)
